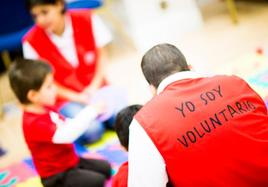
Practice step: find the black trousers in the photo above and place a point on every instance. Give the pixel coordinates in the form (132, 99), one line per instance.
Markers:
(87, 173)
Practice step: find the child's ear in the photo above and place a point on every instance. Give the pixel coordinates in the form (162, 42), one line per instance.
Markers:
(32, 96)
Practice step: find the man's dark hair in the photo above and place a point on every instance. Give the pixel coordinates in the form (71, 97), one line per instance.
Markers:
(25, 75)
(32, 3)
(123, 121)
(161, 61)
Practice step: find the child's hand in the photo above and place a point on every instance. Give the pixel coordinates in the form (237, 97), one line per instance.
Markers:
(83, 98)
(100, 107)
(90, 91)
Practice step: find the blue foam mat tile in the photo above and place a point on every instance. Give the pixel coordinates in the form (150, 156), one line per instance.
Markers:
(114, 156)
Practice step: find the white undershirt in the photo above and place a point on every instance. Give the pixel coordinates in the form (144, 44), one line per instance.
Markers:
(65, 42)
(146, 164)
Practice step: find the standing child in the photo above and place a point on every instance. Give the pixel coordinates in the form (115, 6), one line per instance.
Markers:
(48, 136)
(122, 122)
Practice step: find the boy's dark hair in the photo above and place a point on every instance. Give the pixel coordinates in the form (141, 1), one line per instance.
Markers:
(25, 75)
(161, 61)
(122, 122)
(32, 3)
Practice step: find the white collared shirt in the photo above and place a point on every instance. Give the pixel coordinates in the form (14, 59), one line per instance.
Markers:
(65, 42)
(146, 164)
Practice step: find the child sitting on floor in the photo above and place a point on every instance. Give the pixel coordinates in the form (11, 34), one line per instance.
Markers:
(48, 135)
(122, 122)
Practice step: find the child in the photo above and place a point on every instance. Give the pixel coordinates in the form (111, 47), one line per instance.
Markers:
(122, 122)
(48, 136)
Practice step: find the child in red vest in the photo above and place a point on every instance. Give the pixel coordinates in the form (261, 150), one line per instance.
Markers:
(48, 135)
(122, 122)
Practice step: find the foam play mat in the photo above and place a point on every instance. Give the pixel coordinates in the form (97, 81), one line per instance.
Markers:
(23, 174)
(253, 68)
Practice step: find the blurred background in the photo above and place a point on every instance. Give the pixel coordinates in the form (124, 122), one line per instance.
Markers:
(216, 36)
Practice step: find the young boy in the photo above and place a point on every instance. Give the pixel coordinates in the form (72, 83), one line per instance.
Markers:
(122, 122)
(48, 136)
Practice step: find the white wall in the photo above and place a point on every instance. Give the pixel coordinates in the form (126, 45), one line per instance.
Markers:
(149, 24)
(205, 2)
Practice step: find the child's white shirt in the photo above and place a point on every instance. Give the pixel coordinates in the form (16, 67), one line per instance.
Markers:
(69, 130)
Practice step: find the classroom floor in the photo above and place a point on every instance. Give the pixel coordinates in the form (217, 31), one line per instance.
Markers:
(217, 47)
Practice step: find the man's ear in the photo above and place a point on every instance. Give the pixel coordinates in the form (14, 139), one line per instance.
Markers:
(32, 96)
(153, 89)
(190, 67)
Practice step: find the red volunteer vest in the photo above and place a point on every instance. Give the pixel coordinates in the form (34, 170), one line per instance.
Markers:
(210, 132)
(68, 76)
